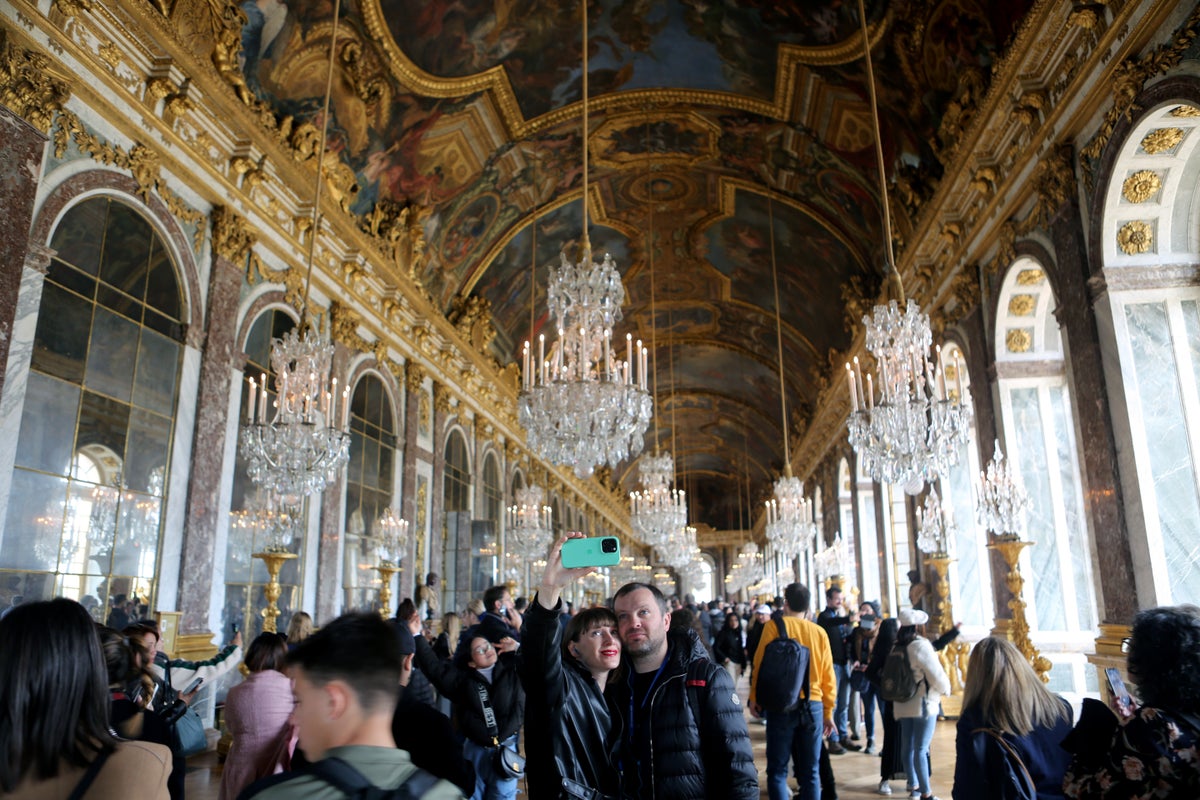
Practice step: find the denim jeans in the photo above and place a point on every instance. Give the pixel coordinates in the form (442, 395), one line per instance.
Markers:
(915, 735)
(490, 785)
(841, 711)
(791, 734)
(869, 701)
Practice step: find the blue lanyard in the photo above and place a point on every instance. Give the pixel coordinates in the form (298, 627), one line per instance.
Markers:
(646, 699)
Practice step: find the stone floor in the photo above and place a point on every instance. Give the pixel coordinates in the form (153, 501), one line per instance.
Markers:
(857, 774)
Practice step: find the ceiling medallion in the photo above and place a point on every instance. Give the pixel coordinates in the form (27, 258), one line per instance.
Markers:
(1135, 237)
(1030, 277)
(1185, 111)
(1161, 140)
(1141, 186)
(1018, 340)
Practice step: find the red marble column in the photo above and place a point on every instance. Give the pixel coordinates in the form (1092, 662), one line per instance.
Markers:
(219, 359)
(20, 172)
(410, 570)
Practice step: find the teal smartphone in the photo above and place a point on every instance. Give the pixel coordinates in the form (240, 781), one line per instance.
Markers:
(599, 551)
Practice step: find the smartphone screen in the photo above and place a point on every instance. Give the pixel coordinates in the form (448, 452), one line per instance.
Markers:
(1120, 694)
(599, 551)
(193, 686)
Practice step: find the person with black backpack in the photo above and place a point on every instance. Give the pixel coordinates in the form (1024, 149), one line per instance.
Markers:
(347, 679)
(793, 683)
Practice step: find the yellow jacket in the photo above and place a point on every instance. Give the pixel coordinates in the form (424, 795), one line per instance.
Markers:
(822, 681)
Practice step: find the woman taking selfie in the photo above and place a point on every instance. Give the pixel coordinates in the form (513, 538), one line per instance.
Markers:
(567, 722)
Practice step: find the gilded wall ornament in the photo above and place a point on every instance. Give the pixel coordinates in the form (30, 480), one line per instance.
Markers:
(414, 376)
(343, 327)
(1135, 237)
(1185, 111)
(424, 415)
(472, 317)
(1018, 340)
(1030, 277)
(1141, 186)
(29, 87)
(1022, 305)
(1161, 140)
(231, 236)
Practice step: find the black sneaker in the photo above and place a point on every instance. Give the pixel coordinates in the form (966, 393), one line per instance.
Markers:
(852, 746)
(835, 748)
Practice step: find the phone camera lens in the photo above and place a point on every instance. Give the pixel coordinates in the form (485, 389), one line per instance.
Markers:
(609, 545)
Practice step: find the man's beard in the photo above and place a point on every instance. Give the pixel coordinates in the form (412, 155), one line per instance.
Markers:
(647, 646)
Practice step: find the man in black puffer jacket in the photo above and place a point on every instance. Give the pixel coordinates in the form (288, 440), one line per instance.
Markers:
(681, 728)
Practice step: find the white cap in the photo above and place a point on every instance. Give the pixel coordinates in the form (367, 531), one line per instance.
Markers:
(913, 616)
(763, 609)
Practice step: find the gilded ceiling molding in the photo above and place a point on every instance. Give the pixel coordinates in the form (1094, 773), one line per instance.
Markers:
(72, 8)
(1128, 81)
(343, 327)
(400, 233)
(1161, 140)
(442, 397)
(1135, 237)
(472, 318)
(291, 279)
(1141, 186)
(232, 238)
(29, 86)
(495, 80)
(142, 162)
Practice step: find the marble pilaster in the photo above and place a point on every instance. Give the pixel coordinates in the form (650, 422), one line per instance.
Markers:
(329, 551)
(1098, 455)
(219, 360)
(20, 173)
(411, 455)
(441, 418)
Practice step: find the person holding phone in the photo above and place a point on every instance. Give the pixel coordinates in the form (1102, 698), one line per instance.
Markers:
(567, 721)
(499, 618)
(1008, 713)
(1150, 750)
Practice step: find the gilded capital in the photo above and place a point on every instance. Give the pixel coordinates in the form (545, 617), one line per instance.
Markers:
(232, 237)
(28, 85)
(441, 398)
(343, 325)
(414, 376)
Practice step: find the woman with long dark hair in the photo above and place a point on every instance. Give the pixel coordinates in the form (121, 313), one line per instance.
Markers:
(54, 719)
(729, 648)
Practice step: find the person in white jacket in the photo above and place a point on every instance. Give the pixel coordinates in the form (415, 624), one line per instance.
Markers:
(918, 716)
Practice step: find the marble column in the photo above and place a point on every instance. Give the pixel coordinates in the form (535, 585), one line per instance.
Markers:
(1105, 514)
(437, 544)
(329, 550)
(219, 361)
(414, 379)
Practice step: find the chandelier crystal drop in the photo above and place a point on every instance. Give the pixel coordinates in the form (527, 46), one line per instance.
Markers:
(391, 540)
(936, 526)
(833, 561)
(530, 527)
(679, 548)
(790, 526)
(1003, 501)
(295, 451)
(913, 429)
(276, 516)
(657, 511)
(747, 569)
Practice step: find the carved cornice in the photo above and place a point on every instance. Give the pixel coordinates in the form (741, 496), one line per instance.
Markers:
(29, 85)
(343, 327)
(442, 398)
(231, 236)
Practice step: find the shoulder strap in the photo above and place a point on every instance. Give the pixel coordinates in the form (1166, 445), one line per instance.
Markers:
(92, 771)
(1012, 755)
(489, 716)
(780, 625)
(346, 778)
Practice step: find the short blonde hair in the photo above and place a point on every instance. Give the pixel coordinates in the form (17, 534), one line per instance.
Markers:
(300, 627)
(1006, 691)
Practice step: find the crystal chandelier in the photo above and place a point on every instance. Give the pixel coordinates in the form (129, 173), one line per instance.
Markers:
(657, 510)
(833, 561)
(935, 525)
(276, 517)
(913, 432)
(584, 405)
(293, 449)
(391, 538)
(679, 548)
(530, 526)
(747, 569)
(1002, 499)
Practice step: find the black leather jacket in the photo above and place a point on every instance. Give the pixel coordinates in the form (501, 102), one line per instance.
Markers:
(568, 724)
(458, 683)
(700, 748)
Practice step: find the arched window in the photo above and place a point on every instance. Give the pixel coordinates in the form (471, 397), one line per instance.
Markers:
(1150, 223)
(370, 484)
(970, 574)
(486, 536)
(93, 456)
(246, 577)
(1040, 443)
(868, 532)
(846, 519)
(456, 503)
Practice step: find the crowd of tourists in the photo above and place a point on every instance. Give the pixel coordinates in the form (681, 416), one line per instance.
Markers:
(637, 698)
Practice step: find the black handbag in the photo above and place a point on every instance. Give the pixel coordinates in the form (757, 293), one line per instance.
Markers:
(507, 763)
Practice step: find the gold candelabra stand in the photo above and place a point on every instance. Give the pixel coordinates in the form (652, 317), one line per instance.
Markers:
(386, 570)
(274, 560)
(1010, 548)
(955, 655)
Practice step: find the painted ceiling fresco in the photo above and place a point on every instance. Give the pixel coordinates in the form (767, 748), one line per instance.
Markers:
(708, 121)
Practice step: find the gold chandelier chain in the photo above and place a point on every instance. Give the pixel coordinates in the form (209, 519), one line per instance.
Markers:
(787, 454)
